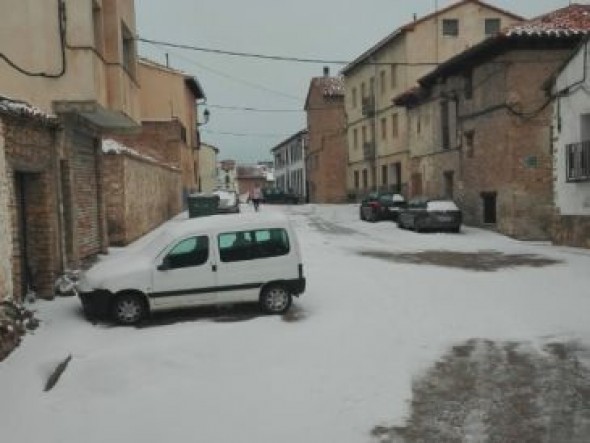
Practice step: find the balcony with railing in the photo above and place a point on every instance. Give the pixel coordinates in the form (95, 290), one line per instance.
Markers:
(578, 162)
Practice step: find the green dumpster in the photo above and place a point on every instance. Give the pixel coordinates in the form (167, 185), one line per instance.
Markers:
(200, 205)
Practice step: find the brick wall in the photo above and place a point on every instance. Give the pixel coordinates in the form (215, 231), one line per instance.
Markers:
(140, 195)
(571, 230)
(32, 205)
(5, 226)
(327, 155)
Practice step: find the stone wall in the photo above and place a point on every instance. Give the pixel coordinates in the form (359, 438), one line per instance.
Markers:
(571, 230)
(5, 226)
(140, 195)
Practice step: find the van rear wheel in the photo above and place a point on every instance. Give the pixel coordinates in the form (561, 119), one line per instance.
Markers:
(275, 299)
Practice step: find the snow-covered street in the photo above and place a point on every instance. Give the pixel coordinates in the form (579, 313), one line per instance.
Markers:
(382, 307)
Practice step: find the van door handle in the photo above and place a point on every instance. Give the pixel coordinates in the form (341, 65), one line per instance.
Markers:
(213, 267)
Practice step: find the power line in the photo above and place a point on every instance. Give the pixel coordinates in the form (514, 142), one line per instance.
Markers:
(228, 76)
(245, 134)
(243, 54)
(251, 109)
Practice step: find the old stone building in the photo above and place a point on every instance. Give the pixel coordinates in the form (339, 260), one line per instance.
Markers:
(480, 125)
(378, 144)
(326, 156)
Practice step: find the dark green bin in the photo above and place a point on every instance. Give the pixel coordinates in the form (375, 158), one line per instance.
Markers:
(200, 205)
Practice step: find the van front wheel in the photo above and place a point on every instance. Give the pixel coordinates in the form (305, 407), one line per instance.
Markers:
(275, 299)
(128, 309)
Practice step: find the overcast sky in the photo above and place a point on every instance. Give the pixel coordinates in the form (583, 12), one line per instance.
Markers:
(324, 29)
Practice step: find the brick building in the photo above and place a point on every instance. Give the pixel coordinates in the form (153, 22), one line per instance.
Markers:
(480, 125)
(326, 156)
(249, 177)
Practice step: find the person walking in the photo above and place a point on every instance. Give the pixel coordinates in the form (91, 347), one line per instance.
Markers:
(256, 197)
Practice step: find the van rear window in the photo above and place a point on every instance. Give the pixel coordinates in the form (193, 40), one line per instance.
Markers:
(253, 245)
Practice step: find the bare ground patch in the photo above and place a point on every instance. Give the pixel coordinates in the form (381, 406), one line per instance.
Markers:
(483, 391)
(487, 261)
(294, 314)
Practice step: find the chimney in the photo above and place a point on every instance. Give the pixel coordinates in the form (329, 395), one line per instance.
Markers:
(326, 71)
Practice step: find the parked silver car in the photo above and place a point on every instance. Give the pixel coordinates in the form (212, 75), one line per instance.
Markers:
(424, 214)
(229, 202)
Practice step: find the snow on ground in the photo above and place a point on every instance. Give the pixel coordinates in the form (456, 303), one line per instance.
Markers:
(365, 329)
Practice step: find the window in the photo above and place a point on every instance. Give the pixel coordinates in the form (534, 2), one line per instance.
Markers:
(355, 138)
(382, 80)
(418, 123)
(252, 245)
(128, 50)
(364, 131)
(384, 128)
(190, 252)
(363, 90)
(393, 79)
(578, 162)
(365, 179)
(372, 87)
(492, 26)
(384, 175)
(356, 179)
(469, 137)
(394, 126)
(354, 98)
(450, 27)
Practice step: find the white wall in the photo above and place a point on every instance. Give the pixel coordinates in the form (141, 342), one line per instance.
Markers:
(571, 198)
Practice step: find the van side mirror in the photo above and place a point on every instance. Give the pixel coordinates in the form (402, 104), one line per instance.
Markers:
(165, 265)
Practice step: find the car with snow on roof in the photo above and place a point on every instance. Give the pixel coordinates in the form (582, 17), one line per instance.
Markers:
(426, 214)
(215, 260)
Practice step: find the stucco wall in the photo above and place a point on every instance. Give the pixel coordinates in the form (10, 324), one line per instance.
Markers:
(207, 167)
(5, 226)
(571, 198)
(141, 195)
(86, 77)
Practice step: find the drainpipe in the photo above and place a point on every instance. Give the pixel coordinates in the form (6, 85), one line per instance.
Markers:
(58, 148)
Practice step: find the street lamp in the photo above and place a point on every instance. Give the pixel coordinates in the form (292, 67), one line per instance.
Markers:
(206, 116)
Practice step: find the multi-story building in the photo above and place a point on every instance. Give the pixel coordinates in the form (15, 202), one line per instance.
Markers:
(571, 151)
(207, 168)
(289, 164)
(227, 175)
(76, 60)
(326, 156)
(377, 132)
(480, 125)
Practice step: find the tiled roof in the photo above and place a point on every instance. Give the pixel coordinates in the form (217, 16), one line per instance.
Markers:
(330, 86)
(571, 20)
(566, 26)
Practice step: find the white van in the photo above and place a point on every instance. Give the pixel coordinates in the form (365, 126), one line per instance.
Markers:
(220, 259)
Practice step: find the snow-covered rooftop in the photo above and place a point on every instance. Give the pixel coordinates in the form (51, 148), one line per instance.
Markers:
(18, 108)
(331, 86)
(110, 146)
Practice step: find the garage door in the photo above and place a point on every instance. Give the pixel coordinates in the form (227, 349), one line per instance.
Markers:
(85, 195)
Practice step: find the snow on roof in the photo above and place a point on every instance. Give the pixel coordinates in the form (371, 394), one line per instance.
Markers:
(571, 20)
(226, 222)
(110, 146)
(18, 108)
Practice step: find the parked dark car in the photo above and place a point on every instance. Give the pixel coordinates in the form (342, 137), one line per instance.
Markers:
(276, 195)
(381, 206)
(423, 214)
